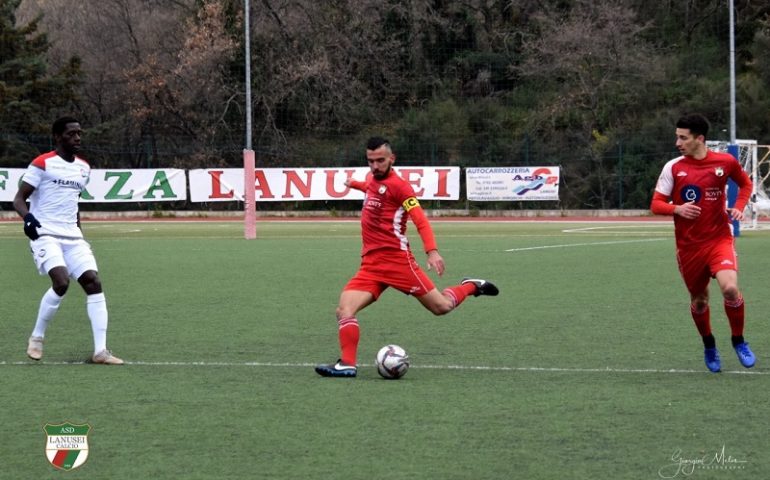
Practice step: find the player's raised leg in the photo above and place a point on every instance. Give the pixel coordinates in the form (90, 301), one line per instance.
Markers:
(440, 303)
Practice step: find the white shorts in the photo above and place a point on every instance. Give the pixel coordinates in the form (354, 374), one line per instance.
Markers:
(73, 253)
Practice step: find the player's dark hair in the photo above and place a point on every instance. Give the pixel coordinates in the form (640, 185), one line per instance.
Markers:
(61, 124)
(695, 122)
(376, 142)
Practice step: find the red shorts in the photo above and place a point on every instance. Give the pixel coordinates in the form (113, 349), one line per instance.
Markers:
(391, 268)
(699, 265)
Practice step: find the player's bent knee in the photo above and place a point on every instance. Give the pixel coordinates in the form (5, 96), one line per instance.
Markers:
(90, 282)
(344, 313)
(731, 292)
(441, 309)
(61, 288)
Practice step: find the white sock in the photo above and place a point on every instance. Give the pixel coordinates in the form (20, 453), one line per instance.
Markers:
(96, 305)
(49, 305)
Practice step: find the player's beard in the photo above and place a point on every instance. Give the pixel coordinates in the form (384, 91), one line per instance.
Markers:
(380, 175)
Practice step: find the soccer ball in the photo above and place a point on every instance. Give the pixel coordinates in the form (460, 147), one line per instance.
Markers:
(392, 362)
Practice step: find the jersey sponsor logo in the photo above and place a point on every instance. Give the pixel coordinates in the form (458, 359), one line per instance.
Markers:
(410, 203)
(69, 183)
(719, 171)
(713, 193)
(691, 193)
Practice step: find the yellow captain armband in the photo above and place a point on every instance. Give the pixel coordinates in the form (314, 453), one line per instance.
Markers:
(410, 203)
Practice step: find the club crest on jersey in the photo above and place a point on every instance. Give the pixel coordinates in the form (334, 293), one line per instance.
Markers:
(719, 171)
(382, 189)
(410, 203)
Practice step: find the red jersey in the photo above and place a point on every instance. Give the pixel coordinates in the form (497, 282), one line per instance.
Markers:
(686, 179)
(386, 209)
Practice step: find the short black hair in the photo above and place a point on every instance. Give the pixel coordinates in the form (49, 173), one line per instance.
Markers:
(376, 142)
(61, 124)
(695, 122)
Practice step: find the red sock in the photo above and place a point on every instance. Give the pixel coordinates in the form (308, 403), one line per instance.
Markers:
(735, 315)
(348, 335)
(702, 320)
(459, 293)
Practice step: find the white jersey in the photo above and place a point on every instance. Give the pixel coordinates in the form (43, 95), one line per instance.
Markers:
(58, 184)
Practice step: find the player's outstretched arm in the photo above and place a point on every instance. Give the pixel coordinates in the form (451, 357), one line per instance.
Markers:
(355, 184)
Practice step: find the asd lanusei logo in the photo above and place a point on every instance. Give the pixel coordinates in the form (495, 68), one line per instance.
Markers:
(66, 445)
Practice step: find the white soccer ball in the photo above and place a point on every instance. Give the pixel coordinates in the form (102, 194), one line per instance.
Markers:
(392, 362)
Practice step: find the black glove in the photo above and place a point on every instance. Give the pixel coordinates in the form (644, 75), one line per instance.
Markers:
(30, 226)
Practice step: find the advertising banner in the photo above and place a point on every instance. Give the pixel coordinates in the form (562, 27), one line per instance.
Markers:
(296, 184)
(512, 183)
(118, 185)
(226, 184)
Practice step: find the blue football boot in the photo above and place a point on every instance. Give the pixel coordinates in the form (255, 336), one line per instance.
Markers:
(711, 356)
(745, 355)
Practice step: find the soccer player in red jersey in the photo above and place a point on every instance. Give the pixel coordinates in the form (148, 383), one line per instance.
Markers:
(386, 258)
(53, 183)
(692, 189)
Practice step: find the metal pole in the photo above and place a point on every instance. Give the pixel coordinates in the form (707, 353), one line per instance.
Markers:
(247, 42)
(732, 76)
(249, 195)
(620, 175)
(732, 187)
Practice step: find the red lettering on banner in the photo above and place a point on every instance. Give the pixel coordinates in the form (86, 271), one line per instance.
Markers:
(260, 183)
(331, 175)
(292, 178)
(406, 174)
(216, 185)
(443, 182)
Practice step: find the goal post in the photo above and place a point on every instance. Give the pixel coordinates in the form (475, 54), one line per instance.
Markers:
(755, 160)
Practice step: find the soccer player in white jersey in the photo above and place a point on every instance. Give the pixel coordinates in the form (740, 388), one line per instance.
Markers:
(53, 183)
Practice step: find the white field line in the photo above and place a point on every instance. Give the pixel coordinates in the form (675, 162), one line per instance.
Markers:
(585, 244)
(621, 230)
(419, 367)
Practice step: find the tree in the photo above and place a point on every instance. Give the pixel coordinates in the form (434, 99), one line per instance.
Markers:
(156, 76)
(29, 95)
(594, 68)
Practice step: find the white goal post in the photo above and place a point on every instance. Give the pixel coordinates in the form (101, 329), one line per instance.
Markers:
(755, 159)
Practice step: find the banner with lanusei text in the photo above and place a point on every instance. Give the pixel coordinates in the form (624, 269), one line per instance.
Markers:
(227, 184)
(292, 184)
(512, 183)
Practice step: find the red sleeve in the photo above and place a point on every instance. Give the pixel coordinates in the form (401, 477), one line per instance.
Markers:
(417, 214)
(745, 188)
(358, 185)
(39, 161)
(660, 204)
